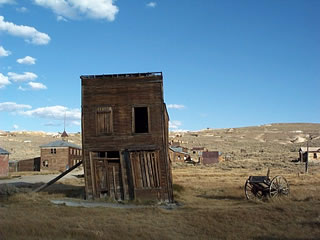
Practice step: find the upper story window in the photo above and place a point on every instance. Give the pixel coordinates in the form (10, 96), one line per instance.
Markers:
(140, 120)
(53, 151)
(104, 120)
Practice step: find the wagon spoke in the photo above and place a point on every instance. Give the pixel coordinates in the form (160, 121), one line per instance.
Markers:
(278, 186)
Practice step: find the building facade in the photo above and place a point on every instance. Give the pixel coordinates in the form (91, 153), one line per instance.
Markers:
(59, 155)
(125, 137)
(4, 163)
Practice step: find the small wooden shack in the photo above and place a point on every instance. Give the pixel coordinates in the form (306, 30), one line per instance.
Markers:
(125, 137)
(25, 165)
(4, 163)
(177, 154)
(59, 155)
(210, 157)
(314, 154)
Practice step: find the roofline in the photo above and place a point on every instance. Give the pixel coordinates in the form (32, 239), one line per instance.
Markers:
(122, 75)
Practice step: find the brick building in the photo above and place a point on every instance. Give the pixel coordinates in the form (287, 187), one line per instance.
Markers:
(4, 163)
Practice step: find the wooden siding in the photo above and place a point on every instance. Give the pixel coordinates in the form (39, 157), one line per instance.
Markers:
(4, 165)
(135, 150)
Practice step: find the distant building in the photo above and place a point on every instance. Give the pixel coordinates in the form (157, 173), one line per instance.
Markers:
(59, 155)
(314, 154)
(196, 153)
(4, 163)
(25, 165)
(177, 154)
(210, 157)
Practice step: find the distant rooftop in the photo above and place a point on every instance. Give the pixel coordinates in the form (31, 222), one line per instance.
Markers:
(311, 149)
(123, 75)
(60, 143)
(3, 152)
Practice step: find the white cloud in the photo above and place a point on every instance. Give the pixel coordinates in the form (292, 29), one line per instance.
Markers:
(174, 124)
(73, 9)
(37, 86)
(21, 88)
(4, 80)
(27, 60)
(3, 52)
(15, 126)
(61, 19)
(6, 2)
(26, 76)
(152, 4)
(54, 113)
(175, 106)
(13, 107)
(22, 9)
(30, 34)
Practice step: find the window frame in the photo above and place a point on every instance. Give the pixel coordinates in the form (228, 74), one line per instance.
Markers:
(133, 126)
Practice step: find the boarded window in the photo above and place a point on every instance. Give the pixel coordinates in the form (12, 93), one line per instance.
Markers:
(146, 169)
(141, 120)
(104, 120)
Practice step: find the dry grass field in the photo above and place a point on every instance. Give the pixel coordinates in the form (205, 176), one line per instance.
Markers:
(211, 200)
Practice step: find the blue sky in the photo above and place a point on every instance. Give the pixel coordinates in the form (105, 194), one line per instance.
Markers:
(225, 63)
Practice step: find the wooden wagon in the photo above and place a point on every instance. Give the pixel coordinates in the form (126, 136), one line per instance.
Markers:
(258, 187)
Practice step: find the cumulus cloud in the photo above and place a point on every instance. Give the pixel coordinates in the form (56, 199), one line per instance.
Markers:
(37, 86)
(175, 106)
(15, 126)
(6, 2)
(27, 60)
(13, 107)
(4, 80)
(74, 9)
(152, 4)
(30, 34)
(174, 124)
(26, 76)
(54, 113)
(61, 19)
(3, 52)
(22, 9)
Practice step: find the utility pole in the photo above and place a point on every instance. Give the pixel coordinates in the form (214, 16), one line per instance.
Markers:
(307, 160)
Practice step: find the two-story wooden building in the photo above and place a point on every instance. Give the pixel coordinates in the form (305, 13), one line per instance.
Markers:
(125, 137)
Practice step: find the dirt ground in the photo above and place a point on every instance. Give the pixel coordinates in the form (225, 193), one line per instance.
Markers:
(211, 203)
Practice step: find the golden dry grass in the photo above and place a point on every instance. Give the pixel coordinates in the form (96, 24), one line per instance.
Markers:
(213, 206)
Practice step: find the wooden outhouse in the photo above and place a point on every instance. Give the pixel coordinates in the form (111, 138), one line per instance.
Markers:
(125, 137)
(4, 163)
(59, 155)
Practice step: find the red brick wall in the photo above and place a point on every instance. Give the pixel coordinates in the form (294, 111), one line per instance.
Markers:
(4, 165)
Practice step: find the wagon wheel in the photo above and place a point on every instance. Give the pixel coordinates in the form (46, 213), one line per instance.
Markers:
(251, 191)
(279, 187)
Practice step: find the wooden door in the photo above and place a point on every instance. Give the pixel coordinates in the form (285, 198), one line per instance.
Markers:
(108, 179)
(115, 180)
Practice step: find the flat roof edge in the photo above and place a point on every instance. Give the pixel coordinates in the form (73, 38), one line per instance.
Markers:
(123, 75)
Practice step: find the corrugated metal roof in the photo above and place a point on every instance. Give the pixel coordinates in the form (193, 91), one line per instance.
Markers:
(3, 152)
(60, 143)
(311, 149)
(177, 149)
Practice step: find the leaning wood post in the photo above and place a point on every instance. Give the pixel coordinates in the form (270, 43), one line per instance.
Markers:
(57, 178)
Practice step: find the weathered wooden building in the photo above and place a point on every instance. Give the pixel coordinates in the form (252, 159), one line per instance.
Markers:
(59, 155)
(25, 165)
(177, 154)
(125, 137)
(313, 154)
(4, 163)
(210, 157)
